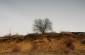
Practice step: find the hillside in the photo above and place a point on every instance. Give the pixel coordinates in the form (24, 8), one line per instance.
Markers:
(64, 42)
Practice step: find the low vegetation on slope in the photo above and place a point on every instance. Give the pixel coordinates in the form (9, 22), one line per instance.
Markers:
(48, 42)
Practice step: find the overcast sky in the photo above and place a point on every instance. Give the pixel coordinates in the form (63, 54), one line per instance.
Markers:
(18, 15)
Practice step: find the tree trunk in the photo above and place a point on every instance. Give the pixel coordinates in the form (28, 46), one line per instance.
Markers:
(43, 32)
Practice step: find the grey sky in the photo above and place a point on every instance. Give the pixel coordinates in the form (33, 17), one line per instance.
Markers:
(66, 15)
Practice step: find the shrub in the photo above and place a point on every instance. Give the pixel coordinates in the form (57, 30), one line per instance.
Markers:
(83, 42)
(16, 49)
(69, 44)
(19, 40)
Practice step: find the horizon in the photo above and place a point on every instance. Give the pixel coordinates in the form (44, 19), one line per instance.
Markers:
(17, 16)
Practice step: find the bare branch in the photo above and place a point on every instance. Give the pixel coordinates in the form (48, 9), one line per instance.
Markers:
(42, 25)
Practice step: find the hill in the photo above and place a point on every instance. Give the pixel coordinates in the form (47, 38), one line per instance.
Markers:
(64, 42)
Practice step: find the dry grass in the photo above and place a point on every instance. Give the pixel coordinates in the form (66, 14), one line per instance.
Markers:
(47, 44)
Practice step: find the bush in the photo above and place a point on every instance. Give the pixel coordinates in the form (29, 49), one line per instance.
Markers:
(69, 44)
(83, 42)
(16, 49)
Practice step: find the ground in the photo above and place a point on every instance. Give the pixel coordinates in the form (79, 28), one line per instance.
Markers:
(46, 44)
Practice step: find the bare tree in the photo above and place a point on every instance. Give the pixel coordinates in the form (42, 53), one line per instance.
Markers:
(42, 25)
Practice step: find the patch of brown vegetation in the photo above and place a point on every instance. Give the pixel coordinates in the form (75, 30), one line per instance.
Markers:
(47, 42)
